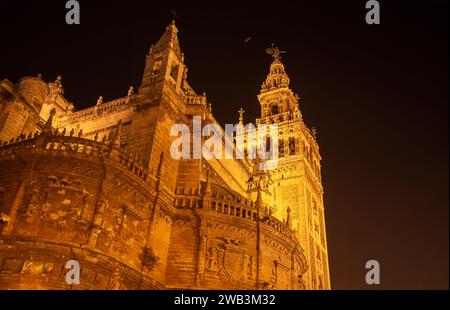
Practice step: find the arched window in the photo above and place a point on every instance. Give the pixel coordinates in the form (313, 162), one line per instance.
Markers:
(291, 146)
(275, 109)
(268, 144)
(281, 148)
(174, 72)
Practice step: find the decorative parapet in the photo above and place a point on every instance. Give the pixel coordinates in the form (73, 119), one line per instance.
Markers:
(194, 99)
(231, 205)
(281, 119)
(77, 146)
(115, 105)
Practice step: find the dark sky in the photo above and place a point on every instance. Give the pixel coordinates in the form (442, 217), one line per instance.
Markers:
(378, 96)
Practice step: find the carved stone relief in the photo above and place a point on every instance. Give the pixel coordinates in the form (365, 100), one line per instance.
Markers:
(229, 260)
(280, 277)
(58, 202)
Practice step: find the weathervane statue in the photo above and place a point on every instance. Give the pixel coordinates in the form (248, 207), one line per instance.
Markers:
(275, 52)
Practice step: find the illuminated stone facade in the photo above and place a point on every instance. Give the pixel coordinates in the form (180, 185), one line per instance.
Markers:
(99, 186)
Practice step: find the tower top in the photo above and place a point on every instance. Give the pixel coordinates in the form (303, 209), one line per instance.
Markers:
(277, 77)
(165, 61)
(275, 52)
(276, 97)
(169, 40)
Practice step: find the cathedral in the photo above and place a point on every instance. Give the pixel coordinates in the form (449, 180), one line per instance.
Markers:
(99, 186)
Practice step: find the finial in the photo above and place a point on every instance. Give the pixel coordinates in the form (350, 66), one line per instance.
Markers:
(130, 91)
(117, 133)
(57, 85)
(172, 26)
(289, 219)
(208, 183)
(241, 115)
(100, 100)
(210, 107)
(314, 132)
(174, 16)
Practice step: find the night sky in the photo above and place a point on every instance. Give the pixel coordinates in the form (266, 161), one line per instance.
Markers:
(378, 96)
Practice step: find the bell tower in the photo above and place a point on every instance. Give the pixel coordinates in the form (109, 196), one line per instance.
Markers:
(297, 192)
(165, 61)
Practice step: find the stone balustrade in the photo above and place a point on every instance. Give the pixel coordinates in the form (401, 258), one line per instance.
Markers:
(99, 109)
(279, 118)
(194, 99)
(231, 205)
(57, 142)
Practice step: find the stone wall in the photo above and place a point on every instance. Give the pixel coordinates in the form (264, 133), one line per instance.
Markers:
(67, 198)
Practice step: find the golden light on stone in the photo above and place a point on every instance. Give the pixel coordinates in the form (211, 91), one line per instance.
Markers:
(99, 186)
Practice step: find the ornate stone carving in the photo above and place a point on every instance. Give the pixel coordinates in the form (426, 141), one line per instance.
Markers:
(201, 230)
(280, 278)
(248, 267)
(4, 218)
(111, 229)
(87, 276)
(166, 218)
(75, 167)
(57, 202)
(115, 281)
(214, 259)
(300, 282)
(12, 265)
(230, 261)
(232, 229)
(149, 259)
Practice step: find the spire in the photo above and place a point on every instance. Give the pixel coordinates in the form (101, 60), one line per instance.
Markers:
(164, 61)
(169, 40)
